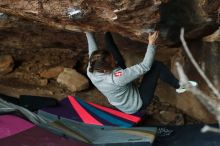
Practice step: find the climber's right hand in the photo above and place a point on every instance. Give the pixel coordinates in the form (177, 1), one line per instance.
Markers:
(152, 38)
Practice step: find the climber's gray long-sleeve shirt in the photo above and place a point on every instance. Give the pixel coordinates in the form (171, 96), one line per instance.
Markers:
(117, 86)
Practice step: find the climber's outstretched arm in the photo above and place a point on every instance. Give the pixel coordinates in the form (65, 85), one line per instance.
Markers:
(91, 42)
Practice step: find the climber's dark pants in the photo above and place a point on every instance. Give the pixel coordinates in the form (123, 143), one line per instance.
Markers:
(149, 82)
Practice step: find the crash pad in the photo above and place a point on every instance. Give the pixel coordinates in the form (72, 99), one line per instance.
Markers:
(110, 135)
(33, 103)
(37, 136)
(9, 99)
(11, 125)
(72, 108)
(76, 131)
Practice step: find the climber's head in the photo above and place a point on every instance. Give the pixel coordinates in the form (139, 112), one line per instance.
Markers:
(101, 61)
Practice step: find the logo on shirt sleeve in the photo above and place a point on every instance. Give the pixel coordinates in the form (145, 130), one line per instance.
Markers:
(118, 73)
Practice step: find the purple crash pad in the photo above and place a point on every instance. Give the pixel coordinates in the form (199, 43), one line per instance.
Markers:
(38, 137)
(10, 125)
(74, 109)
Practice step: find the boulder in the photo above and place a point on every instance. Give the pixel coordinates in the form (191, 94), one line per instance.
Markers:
(6, 64)
(73, 80)
(43, 82)
(170, 117)
(186, 102)
(213, 37)
(51, 72)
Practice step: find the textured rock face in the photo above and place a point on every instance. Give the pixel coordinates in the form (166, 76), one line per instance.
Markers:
(132, 18)
(124, 16)
(6, 64)
(19, 33)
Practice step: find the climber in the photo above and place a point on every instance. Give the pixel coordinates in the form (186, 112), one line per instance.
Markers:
(108, 72)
